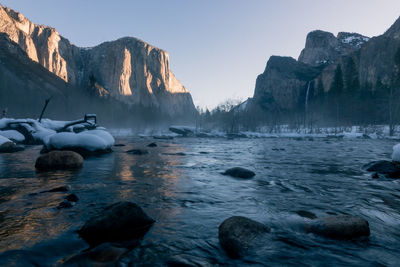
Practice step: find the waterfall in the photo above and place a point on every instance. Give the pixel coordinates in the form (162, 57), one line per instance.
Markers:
(307, 94)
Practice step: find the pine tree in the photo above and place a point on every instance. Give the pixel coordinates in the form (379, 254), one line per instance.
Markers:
(336, 91)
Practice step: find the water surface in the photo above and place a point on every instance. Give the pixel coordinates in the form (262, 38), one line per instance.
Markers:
(179, 184)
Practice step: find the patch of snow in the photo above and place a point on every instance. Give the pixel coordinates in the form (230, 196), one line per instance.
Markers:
(396, 153)
(13, 135)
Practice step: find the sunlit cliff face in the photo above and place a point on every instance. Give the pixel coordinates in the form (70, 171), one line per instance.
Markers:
(127, 69)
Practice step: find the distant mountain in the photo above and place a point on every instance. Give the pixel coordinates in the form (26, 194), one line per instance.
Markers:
(128, 70)
(364, 69)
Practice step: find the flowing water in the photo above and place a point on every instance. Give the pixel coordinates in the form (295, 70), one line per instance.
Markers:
(179, 184)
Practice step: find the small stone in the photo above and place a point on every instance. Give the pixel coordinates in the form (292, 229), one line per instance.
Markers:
(239, 172)
(137, 152)
(64, 188)
(72, 198)
(65, 205)
(306, 214)
(119, 145)
(152, 145)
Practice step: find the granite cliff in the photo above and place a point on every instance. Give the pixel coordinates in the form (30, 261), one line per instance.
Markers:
(366, 63)
(127, 69)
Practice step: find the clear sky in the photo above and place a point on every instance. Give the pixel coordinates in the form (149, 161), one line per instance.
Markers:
(217, 47)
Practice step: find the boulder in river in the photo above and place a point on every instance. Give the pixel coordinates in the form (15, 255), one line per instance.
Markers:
(239, 172)
(118, 222)
(340, 227)
(238, 234)
(390, 169)
(59, 160)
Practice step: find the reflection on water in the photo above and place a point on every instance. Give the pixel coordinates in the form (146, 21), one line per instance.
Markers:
(179, 184)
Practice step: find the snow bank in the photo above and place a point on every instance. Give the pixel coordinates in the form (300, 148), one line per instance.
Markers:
(396, 153)
(93, 140)
(13, 135)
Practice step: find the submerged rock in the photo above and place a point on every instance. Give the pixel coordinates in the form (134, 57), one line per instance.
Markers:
(72, 198)
(64, 188)
(65, 205)
(152, 145)
(118, 222)
(306, 214)
(238, 234)
(103, 255)
(239, 172)
(340, 227)
(137, 152)
(59, 160)
(388, 168)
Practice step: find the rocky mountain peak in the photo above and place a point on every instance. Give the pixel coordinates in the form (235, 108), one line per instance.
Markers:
(324, 48)
(394, 30)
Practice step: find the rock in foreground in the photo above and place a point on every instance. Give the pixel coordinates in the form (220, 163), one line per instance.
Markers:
(388, 168)
(340, 227)
(239, 172)
(237, 234)
(119, 222)
(59, 160)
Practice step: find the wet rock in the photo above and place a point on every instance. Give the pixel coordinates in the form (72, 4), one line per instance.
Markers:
(64, 188)
(119, 145)
(59, 160)
(72, 198)
(238, 234)
(103, 255)
(65, 205)
(10, 147)
(306, 214)
(118, 222)
(387, 168)
(152, 145)
(340, 227)
(239, 172)
(137, 152)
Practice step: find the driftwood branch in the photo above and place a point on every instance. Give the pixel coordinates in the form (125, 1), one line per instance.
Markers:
(44, 108)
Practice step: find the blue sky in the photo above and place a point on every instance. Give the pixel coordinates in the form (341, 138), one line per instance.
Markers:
(217, 47)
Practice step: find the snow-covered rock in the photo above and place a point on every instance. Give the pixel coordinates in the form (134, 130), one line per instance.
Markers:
(4, 140)
(396, 153)
(90, 141)
(13, 135)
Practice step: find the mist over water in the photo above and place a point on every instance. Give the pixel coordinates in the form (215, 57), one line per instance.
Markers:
(179, 185)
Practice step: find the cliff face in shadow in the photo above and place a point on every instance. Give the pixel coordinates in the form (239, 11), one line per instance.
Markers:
(345, 76)
(127, 70)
